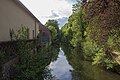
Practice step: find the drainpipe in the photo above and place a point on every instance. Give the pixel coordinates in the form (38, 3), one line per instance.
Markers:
(35, 39)
(35, 30)
(33, 34)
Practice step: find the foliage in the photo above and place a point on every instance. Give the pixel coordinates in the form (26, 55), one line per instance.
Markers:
(113, 41)
(103, 32)
(76, 7)
(2, 57)
(52, 25)
(92, 28)
(84, 70)
(53, 32)
(67, 36)
(32, 60)
(99, 58)
(103, 15)
(21, 34)
(55, 51)
(47, 75)
(96, 54)
(74, 30)
(103, 60)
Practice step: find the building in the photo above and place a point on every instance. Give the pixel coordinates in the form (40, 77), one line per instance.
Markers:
(44, 34)
(13, 14)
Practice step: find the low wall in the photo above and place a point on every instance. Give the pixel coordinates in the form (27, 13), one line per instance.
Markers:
(8, 69)
(8, 57)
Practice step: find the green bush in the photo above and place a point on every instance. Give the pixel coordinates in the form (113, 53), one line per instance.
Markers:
(95, 53)
(113, 41)
(32, 60)
(2, 57)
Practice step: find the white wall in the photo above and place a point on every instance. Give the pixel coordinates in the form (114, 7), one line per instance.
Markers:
(12, 16)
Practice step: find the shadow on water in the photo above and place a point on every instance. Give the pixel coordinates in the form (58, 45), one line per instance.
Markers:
(68, 64)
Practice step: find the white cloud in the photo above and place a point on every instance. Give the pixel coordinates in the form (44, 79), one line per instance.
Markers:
(53, 15)
(49, 9)
(62, 21)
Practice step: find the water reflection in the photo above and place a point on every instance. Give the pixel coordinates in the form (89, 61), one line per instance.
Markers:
(84, 70)
(60, 68)
(70, 65)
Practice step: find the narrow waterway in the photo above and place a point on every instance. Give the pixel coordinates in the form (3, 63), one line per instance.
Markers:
(61, 68)
(70, 66)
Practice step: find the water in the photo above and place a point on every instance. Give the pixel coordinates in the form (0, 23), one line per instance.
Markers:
(70, 66)
(61, 68)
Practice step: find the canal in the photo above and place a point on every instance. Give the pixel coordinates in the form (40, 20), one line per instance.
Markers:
(69, 65)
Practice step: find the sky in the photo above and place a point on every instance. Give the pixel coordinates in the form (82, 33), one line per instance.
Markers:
(44, 10)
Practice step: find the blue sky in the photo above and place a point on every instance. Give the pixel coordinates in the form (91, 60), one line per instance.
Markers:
(50, 9)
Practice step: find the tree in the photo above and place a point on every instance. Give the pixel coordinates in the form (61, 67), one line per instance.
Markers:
(53, 32)
(52, 25)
